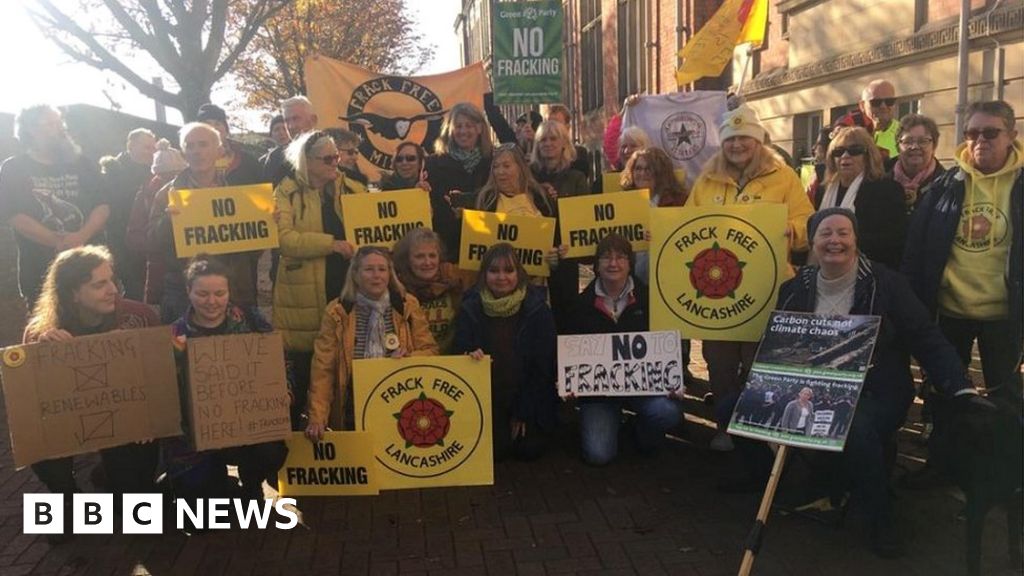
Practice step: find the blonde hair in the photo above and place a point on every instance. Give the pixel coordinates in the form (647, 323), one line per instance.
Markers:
(402, 251)
(300, 148)
(69, 271)
(874, 169)
(443, 145)
(350, 290)
(487, 199)
(568, 155)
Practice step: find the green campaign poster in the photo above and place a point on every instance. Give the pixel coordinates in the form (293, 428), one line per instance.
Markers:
(527, 52)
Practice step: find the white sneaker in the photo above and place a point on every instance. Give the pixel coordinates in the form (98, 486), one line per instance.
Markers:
(721, 443)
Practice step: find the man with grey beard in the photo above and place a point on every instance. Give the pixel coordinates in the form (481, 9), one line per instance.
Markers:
(49, 195)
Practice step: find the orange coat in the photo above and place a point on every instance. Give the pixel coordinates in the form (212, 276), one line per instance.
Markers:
(330, 375)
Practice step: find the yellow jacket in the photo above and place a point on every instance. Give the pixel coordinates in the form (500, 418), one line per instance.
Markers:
(774, 183)
(330, 376)
(300, 288)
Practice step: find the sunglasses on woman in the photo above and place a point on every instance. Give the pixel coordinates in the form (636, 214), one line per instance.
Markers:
(855, 150)
(329, 159)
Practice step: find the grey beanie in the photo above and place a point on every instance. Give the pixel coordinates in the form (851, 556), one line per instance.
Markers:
(820, 215)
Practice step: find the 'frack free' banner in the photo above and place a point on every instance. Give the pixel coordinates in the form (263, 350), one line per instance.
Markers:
(383, 219)
(531, 236)
(527, 56)
(585, 220)
(223, 220)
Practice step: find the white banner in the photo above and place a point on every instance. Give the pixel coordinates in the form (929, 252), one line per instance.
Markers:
(621, 364)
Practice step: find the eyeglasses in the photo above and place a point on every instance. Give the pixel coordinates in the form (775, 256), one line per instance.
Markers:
(348, 151)
(910, 141)
(329, 159)
(973, 134)
(855, 150)
(613, 257)
(404, 158)
(876, 102)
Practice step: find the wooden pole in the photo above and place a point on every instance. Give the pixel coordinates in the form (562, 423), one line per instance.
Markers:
(753, 544)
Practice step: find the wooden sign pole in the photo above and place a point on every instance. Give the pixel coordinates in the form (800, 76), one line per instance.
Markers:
(753, 544)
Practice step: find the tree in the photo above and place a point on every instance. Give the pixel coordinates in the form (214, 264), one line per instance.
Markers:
(375, 34)
(195, 41)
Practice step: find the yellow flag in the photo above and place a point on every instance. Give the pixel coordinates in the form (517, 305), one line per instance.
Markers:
(710, 49)
(387, 110)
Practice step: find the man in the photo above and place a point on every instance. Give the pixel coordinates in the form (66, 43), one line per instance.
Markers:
(560, 113)
(965, 248)
(348, 159)
(299, 117)
(876, 112)
(123, 176)
(278, 131)
(238, 166)
(49, 195)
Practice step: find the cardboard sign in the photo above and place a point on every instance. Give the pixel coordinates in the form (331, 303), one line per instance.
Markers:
(585, 220)
(623, 364)
(532, 238)
(92, 392)
(238, 390)
(430, 417)
(383, 219)
(223, 220)
(341, 464)
(716, 271)
(806, 379)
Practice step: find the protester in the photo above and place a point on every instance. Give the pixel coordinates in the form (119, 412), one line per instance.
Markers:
(123, 177)
(348, 159)
(79, 298)
(916, 167)
(299, 118)
(436, 283)
(50, 195)
(855, 179)
(204, 474)
(279, 131)
(408, 163)
(201, 145)
(744, 172)
(458, 169)
(876, 113)
(507, 318)
(238, 166)
(651, 168)
(560, 113)
(511, 187)
(373, 318)
(526, 130)
(631, 139)
(615, 301)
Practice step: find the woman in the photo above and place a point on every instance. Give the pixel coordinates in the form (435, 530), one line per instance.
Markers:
(408, 163)
(507, 318)
(844, 281)
(631, 139)
(615, 301)
(437, 284)
(855, 179)
(314, 254)
(511, 188)
(80, 297)
(204, 474)
(916, 167)
(799, 413)
(744, 171)
(458, 169)
(651, 168)
(373, 318)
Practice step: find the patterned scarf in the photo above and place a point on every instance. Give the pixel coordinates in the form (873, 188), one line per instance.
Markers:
(468, 158)
(373, 322)
(505, 306)
(911, 185)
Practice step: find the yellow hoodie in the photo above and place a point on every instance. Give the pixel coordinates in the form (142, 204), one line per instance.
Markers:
(974, 281)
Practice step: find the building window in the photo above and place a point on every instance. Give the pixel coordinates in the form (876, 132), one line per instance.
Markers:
(784, 26)
(806, 128)
(634, 55)
(904, 107)
(591, 55)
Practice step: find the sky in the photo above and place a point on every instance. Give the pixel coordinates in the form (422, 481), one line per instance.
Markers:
(45, 74)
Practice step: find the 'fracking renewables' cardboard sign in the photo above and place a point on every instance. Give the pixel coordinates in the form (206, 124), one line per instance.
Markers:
(585, 220)
(91, 392)
(383, 219)
(223, 220)
(341, 464)
(430, 417)
(531, 236)
(238, 390)
(623, 364)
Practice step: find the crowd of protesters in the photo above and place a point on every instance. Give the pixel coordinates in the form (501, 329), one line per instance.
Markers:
(935, 251)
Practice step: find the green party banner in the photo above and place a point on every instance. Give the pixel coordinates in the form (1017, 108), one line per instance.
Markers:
(527, 52)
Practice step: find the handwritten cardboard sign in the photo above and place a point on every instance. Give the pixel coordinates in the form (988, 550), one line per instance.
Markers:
(238, 391)
(342, 464)
(92, 392)
(622, 364)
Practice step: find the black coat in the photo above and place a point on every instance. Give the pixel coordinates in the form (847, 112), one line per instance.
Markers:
(881, 220)
(445, 174)
(588, 318)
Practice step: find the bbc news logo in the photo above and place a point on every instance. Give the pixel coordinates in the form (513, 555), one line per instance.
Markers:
(144, 513)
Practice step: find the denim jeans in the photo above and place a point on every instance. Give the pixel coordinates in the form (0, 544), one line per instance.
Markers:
(600, 419)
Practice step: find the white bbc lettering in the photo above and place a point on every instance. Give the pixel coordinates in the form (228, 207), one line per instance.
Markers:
(93, 514)
(42, 513)
(142, 514)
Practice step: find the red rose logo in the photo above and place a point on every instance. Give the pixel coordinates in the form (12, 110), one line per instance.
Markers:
(423, 422)
(716, 273)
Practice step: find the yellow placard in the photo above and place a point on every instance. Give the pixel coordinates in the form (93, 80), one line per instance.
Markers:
(612, 181)
(585, 220)
(430, 417)
(223, 220)
(716, 271)
(531, 236)
(342, 464)
(382, 219)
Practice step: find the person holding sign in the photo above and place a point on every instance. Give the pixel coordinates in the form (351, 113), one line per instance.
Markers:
(204, 474)
(79, 297)
(314, 255)
(437, 284)
(651, 168)
(511, 187)
(744, 171)
(373, 318)
(846, 282)
(459, 167)
(408, 162)
(507, 318)
(615, 301)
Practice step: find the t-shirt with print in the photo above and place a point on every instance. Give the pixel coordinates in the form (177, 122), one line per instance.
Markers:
(58, 196)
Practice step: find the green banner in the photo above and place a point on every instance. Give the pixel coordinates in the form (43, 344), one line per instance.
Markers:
(526, 62)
